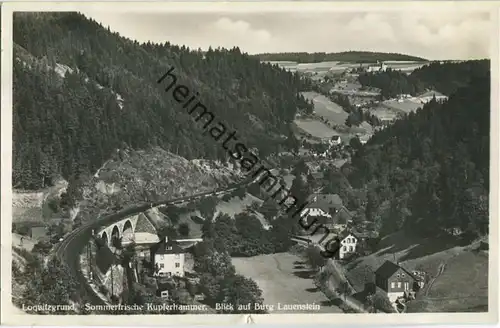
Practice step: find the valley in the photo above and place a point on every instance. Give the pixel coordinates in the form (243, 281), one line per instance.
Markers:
(119, 196)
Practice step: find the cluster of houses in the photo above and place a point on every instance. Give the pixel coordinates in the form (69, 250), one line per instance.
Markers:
(396, 281)
(165, 257)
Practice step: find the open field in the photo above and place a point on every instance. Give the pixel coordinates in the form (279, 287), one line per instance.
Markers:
(316, 128)
(236, 205)
(336, 66)
(405, 106)
(324, 107)
(449, 293)
(283, 280)
(23, 242)
(447, 264)
(384, 113)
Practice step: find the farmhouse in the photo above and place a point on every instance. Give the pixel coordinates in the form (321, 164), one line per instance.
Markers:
(429, 95)
(335, 141)
(394, 280)
(342, 217)
(168, 258)
(348, 242)
(104, 259)
(38, 233)
(322, 205)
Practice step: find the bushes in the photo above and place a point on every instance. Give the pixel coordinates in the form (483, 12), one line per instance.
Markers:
(220, 283)
(381, 302)
(184, 229)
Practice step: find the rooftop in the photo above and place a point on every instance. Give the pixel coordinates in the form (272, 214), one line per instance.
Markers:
(167, 247)
(388, 268)
(431, 94)
(325, 201)
(104, 257)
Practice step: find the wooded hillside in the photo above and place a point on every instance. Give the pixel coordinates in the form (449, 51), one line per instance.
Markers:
(346, 56)
(444, 77)
(429, 172)
(109, 96)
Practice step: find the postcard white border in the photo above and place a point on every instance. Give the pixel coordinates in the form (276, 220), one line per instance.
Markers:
(13, 316)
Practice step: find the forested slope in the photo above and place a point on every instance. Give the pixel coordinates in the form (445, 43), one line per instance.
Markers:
(444, 77)
(346, 56)
(70, 123)
(429, 172)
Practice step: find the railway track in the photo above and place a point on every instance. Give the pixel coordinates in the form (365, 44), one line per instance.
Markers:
(69, 249)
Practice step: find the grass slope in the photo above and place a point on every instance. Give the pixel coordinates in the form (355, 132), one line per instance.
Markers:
(447, 265)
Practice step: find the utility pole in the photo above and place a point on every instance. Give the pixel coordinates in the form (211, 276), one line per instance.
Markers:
(90, 260)
(112, 283)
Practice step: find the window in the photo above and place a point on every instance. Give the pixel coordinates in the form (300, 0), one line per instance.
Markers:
(393, 285)
(398, 275)
(407, 285)
(177, 264)
(162, 265)
(402, 275)
(344, 248)
(350, 249)
(399, 284)
(169, 248)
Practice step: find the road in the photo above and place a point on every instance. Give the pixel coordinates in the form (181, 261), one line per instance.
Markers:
(336, 279)
(72, 245)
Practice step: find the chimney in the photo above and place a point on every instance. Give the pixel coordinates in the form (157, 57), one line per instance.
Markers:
(166, 239)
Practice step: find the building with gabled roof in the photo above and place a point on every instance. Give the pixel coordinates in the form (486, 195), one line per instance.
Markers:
(168, 258)
(348, 244)
(322, 205)
(394, 280)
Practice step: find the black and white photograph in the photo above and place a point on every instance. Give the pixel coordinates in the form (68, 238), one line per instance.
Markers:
(180, 160)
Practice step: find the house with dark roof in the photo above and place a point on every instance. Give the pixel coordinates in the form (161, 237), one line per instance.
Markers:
(145, 235)
(322, 205)
(395, 280)
(342, 217)
(104, 258)
(38, 233)
(168, 258)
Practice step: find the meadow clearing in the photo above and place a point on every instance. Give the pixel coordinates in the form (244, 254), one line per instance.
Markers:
(315, 128)
(327, 109)
(284, 279)
(447, 264)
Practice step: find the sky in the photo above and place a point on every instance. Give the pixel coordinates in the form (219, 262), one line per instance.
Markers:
(432, 35)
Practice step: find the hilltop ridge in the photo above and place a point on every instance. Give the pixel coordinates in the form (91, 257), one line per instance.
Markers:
(344, 56)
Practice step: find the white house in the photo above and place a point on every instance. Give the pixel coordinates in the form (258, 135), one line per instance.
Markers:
(429, 95)
(380, 67)
(168, 258)
(348, 244)
(334, 141)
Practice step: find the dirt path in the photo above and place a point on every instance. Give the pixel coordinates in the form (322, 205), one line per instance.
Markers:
(22, 242)
(336, 280)
(440, 272)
